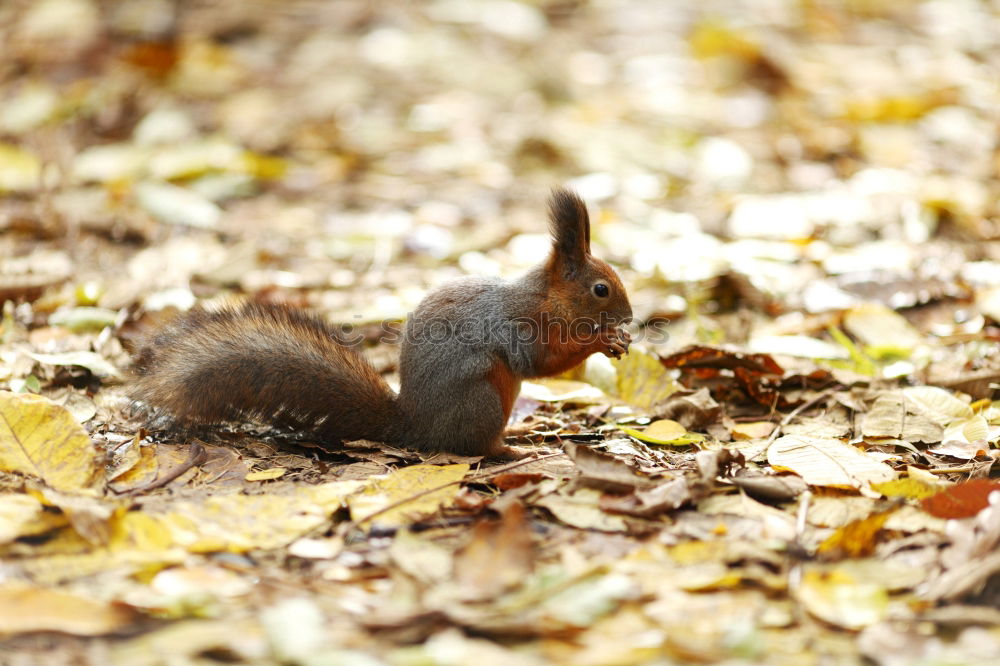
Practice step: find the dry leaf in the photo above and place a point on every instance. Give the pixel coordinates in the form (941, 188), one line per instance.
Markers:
(562, 390)
(642, 379)
(838, 598)
(42, 440)
(961, 500)
(24, 515)
(498, 557)
(405, 486)
(582, 508)
(665, 433)
(266, 474)
(604, 471)
(857, 538)
(755, 430)
(25, 608)
(909, 488)
(827, 462)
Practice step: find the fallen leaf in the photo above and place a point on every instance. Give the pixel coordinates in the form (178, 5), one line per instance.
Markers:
(561, 390)
(754, 430)
(266, 474)
(857, 538)
(961, 500)
(909, 488)
(892, 416)
(698, 356)
(642, 379)
(882, 331)
(961, 450)
(498, 557)
(838, 598)
(774, 523)
(604, 471)
(405, 486)
(650, 502)
(139, 468)
(971, 429)
(25, 608)
(581, 508)
(693, 410)
(774, 488)
(24, 515)
(92, 361)
(177, 205)
(42, 440)
(827, 462)
(938, 404)
(665, 433)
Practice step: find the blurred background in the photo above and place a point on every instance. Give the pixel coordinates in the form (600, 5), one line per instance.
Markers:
(755, 157)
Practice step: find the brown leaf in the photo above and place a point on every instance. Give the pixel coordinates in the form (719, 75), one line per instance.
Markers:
(697, 356)
(511, 480)
(692, 409)
(604, 471)
(650, 502)
(773, 488)
(961, 500)
(499, 556)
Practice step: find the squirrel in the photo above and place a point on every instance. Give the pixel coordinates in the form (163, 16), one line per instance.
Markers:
(465, 350)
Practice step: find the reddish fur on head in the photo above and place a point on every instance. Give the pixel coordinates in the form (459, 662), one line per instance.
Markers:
(581, 285)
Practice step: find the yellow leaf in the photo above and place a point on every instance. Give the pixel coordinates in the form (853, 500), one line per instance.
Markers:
(406, 487)
(19, 170)
(908, 488)
(25, 608)
(711, 39)
(228, 521)
(140, 468)
(140, 531)
(266, 474)
(41, 439)
(838, 598)
(24, 515)
(237, 523)
(665, 432)
(642, 379)
(857, 538)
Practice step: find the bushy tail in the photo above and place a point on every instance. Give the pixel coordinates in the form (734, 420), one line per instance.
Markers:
(264, 363)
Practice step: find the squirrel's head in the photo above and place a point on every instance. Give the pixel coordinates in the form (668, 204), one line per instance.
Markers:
(589, 284)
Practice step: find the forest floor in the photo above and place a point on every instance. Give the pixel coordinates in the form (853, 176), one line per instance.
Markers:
(792, 466)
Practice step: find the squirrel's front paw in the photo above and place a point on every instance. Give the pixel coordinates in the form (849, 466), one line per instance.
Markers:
(615, 342)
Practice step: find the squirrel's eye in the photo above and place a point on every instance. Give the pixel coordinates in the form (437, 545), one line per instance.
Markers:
(601, 290)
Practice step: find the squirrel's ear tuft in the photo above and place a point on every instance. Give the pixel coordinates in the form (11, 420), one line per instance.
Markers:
(570, 225)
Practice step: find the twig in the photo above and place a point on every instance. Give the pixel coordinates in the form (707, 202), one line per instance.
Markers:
(795, 571)
(480, 475)
(795, 412)
(958, 469)
(197, 457)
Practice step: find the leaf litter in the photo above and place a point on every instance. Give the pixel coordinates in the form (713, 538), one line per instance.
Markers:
(793, 465)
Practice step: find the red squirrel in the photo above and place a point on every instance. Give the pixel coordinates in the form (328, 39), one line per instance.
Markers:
(465, 350)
